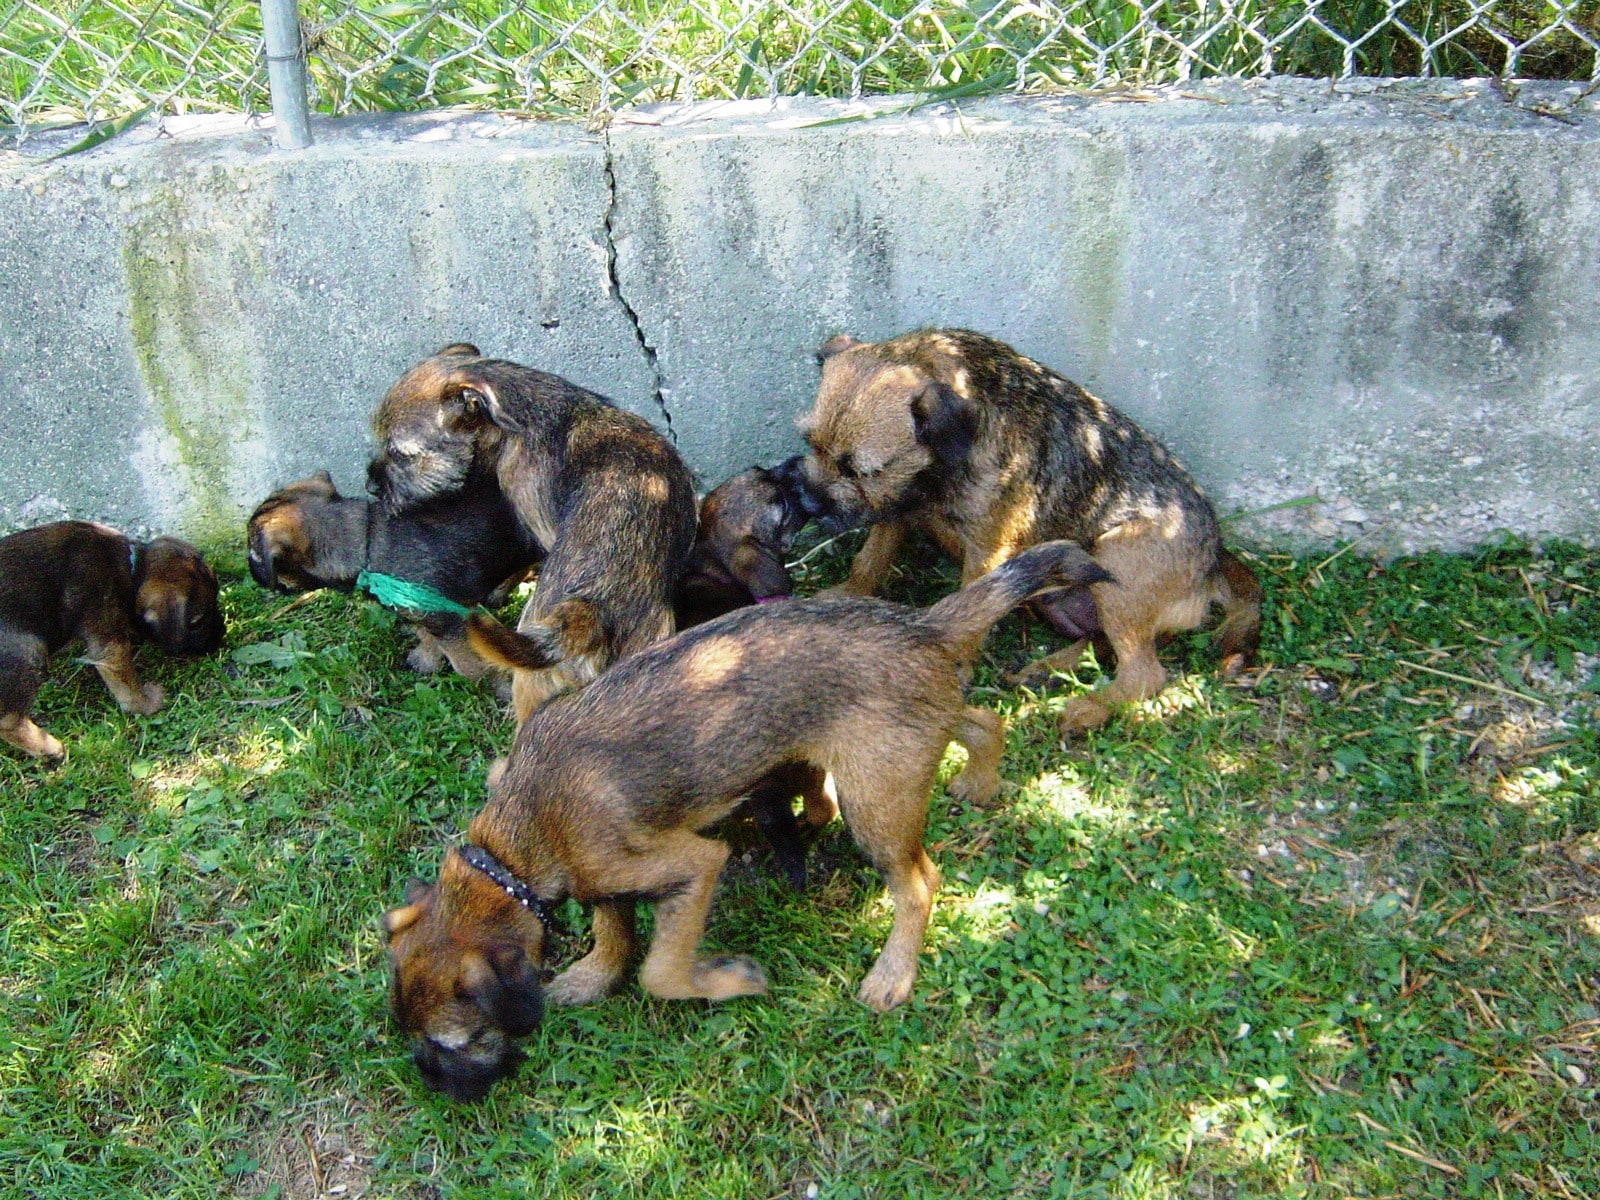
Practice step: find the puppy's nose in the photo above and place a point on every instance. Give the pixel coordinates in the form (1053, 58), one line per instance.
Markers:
(791, 476)
(377, 476)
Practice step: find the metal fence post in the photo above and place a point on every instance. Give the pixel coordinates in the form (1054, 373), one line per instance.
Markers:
(286, 74)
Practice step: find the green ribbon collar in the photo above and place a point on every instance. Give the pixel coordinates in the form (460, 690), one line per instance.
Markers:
(391, 592)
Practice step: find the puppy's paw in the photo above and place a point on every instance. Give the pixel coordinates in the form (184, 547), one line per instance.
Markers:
(729, 975)
(580, 985)
(148, 702)
(425, 659)
(1080, 713)
(1033, 677)
(886, 986)
(976, 788)
(30, 739)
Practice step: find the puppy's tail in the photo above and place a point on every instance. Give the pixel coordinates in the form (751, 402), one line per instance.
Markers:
(569, 629)
(964, 618)
(1235, 587)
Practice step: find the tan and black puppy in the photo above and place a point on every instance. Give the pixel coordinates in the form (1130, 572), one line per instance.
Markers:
(468, 546)
(747, 524)
(957, 436)
(78, 581)
(607, 792)
(604, 495)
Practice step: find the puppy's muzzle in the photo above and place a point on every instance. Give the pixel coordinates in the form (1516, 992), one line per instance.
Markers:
(801, 501)
(259, 559)
(378, 478)
(463, 1078)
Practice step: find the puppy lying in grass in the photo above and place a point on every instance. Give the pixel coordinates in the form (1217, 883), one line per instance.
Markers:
(75, 580)
(467, 548)
(607, 792)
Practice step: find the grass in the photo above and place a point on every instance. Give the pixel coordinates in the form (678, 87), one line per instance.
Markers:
(1329, 932)
(67, 60)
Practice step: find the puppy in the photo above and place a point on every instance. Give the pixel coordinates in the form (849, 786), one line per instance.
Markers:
(75, 580)
(957, 436)
(468, 546)
(603, 494)
(607, 791)
(747, 523)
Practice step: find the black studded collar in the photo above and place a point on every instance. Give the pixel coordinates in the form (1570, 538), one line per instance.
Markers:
(485, 863)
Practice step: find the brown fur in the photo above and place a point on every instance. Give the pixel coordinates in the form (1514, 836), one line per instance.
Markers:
(607, 792)
(469, 546)
(78, 581)
(604, 495)
(956, 436)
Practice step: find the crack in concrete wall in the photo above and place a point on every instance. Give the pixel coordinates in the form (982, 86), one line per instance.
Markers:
(614, 278)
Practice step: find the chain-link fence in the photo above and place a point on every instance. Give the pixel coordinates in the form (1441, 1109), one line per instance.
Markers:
(68, 60)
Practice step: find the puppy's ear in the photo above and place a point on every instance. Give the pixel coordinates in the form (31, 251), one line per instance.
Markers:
(480, 399)
(398, 920)
(459, 350)
(836, 344)
(326, 480)
(504, 984)
(944, 422)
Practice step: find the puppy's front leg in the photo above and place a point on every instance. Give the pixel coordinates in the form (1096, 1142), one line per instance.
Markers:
(872, 562)
(597, 973)
(685, 866)
(114, 662)
(427, 656)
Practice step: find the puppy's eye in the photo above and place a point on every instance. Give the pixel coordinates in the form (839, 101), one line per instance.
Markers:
(198, 619)
(850, 469)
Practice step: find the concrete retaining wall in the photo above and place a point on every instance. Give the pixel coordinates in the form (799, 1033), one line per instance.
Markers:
(1383, 295)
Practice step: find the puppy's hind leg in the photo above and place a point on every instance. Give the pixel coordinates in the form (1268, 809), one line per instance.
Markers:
(28, 737)
(683, 869)
(983, 733)
(598, 973)
(1038, 672)
(885, 812)
(912, 883)
(21, 674)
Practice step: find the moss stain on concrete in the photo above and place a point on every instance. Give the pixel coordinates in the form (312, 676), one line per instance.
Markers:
(184, 333)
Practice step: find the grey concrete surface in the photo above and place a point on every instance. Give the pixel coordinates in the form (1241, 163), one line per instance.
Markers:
(193, 319)
(1380, 295)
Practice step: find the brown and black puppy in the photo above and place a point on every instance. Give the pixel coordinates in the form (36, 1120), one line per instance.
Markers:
(607, 792)
(604, 495)
(959, 437)
(747, 524)
(75, 580)
(468, 546)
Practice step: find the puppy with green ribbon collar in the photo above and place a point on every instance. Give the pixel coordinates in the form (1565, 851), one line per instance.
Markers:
(433, 565)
